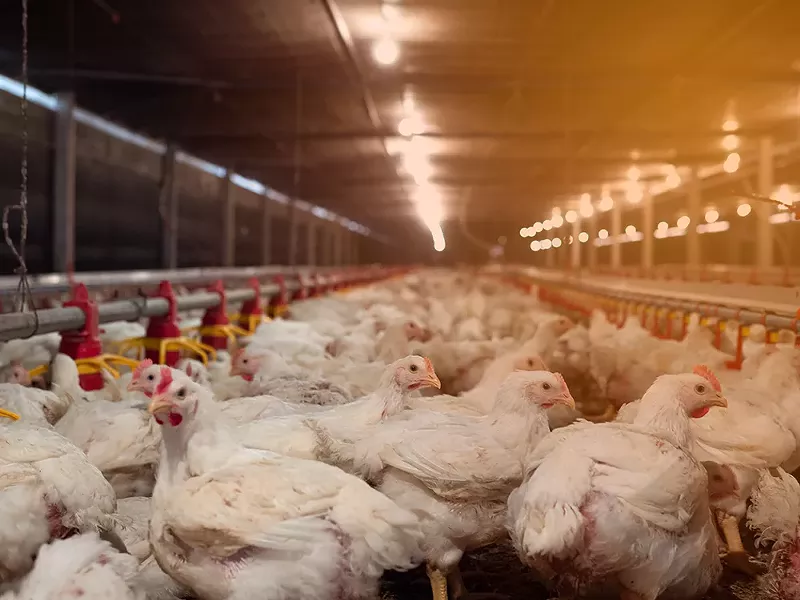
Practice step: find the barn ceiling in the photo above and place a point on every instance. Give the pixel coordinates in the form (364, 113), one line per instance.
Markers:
(517, 103)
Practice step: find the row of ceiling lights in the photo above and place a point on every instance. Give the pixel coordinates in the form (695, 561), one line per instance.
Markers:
(415, 161)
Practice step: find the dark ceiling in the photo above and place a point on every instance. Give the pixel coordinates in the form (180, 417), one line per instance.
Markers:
(523, 102)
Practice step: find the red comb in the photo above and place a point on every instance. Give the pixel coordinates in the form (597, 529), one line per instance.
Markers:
(561, 380)
(137, 372)
(166, 379)
(189, 369)
(706, 374)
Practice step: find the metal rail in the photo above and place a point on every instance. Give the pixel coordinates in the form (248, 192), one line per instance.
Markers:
(20, 325)
(749, 312)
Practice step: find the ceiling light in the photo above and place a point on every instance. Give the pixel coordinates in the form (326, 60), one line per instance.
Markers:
(556, 211)
(586, 209)
(602, 234)
(557, 221)
(673, 179)
(634, 173)
(546, 244)
(730, 142)
(536, 245)
(730, 125)
(410, 126)
(635, 155)
(547, 225)
(634, 194)
(630, 230)
(583, 237)
(684, 221)
(523, 232)
(537, 227)
(712, 215)
(731, 164)
(663, 226)
(606, 202)
(571, 216)
(784, 195)
(557, 243)
(386, 51)
(390, 12)
(408, 102)
(743, 209)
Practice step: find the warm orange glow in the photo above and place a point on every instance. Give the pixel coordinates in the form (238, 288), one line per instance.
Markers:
(386, 52)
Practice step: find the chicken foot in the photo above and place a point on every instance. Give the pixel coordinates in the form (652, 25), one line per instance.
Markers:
(438, 582)
(737, 557)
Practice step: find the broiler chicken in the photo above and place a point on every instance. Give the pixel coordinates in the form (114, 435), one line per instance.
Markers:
(455, 472)
(624, 505)
(238, 524)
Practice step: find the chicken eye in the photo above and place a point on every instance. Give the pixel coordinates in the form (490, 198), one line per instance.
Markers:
(413, 368)
(244, 361)
(546, 386)
(181, 393)
(151, 377)
(530, 364)
(700, 388)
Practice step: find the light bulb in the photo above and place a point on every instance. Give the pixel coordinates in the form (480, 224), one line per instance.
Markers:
(556, 211)
(602, 234)
(663, 226)
(731, 164)
(410, 126)
(557, 243)
(536, 245)
(557, 221)
(537, 227)
(684, 221)
(386, 51)
(606, 202)
(630, 230)
(730, 142)
(547, 225)
(523, 232)
(587, 210)
(673, 180)
(634, 173)
(583, 237)
(571, 216)
(784, 195)
(743, 209)
(730, 125)
(634, 194)
(546, 244)
(712, 216)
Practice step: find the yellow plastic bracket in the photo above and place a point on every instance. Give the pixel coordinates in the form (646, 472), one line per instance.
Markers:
(164, 345)
(104, 362)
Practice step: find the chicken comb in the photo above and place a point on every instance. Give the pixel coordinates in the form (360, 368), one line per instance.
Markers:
(166, 380)
(137, 372)
(562, 381)
(428, 364)
(706, 374)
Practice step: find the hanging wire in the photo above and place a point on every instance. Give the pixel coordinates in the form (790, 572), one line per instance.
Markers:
(23, 299)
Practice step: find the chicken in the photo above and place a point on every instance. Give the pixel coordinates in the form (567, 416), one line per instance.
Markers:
(35, 406)
(236, 524)
(603, 499)
(455, 472)
(82, 566)
(48, 490)
(296, 435)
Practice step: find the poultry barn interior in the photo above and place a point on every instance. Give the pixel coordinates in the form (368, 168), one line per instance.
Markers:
(401, 299)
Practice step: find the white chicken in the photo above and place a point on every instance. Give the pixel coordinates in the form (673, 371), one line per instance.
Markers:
(604, 500)
(237, 524)
(455, 472)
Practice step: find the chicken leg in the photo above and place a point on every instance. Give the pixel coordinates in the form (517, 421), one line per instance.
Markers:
(438, 582)
(737, 557)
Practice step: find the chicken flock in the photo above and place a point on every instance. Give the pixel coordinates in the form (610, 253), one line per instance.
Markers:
(403, 425)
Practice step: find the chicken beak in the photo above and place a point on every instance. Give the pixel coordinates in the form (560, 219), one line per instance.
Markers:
(719, 400)
(236, 371)
(566, 400)
(158, 403)
(134, 385)
(432, 380)
(8, 414)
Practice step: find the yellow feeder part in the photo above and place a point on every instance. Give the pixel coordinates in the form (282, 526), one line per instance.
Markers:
(38, 371)
(8, 414)
(104, 362)
(165, 345)
(253, 321)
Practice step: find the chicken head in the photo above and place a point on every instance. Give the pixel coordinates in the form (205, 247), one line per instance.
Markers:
(700, 391)
(15, 373)
(543, 388)
(415, 372)
(145, 378)
(175, 398)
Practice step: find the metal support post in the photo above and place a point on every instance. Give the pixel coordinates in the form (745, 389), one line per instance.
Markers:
(294, 226)
(575, 249)
(266, 233)
(168, 205)
(311, 243)
(228, 202)
(693, 254)
(616, 231)
(648, 230)
(63, 250)
(763, 210)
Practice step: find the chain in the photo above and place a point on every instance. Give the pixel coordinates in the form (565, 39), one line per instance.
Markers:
(24, 298)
